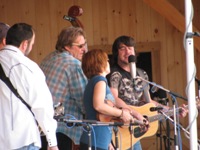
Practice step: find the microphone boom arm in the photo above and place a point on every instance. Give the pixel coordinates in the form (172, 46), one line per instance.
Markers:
(162, 88)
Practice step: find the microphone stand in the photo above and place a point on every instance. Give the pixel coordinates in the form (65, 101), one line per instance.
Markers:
(167, 138)
(115, 129)
(88, 129)
(160, 134)
(178, 125)
(173, 95)
(162, 88)
(168, 130)
(131, 139)
(88, 123)
(175, 124)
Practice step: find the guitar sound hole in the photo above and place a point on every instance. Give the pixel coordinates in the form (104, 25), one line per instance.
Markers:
(138, 132)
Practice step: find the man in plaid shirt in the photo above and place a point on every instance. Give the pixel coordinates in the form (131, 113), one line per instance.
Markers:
(67, 81)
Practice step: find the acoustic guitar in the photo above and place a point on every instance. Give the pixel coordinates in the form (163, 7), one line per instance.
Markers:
(127, 138)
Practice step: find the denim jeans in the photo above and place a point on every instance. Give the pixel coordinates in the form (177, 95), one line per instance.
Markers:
(29, 147)
(136, 146)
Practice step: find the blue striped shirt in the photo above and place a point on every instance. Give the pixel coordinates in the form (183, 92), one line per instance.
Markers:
(67, 82)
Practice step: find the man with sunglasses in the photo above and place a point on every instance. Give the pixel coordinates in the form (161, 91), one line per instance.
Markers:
(67, 82)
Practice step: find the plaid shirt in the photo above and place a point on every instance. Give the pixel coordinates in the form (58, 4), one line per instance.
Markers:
(67, 82)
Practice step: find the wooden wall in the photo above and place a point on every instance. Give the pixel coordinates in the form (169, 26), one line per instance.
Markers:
(103, 21)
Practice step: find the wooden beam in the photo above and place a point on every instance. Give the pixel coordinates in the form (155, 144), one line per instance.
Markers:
(168, 11)
(140, 47)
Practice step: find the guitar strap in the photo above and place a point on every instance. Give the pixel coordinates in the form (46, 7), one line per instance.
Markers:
(7, 81)
(146, 88)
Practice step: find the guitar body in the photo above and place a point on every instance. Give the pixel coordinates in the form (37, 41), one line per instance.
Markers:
(126, 140)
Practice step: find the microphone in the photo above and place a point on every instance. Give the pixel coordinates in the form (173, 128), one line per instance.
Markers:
(132, 60)
(155, 108)
(68, 18)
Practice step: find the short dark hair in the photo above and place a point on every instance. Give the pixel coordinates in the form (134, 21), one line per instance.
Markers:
(67, 36)
(94, 62)
(18, 33)
(3, 30)
(126, 40)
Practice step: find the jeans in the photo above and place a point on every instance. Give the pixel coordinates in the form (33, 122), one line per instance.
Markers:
(136, 146)
(85, 147)
(29, 147)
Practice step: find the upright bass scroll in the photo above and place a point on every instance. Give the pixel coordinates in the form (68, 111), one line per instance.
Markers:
(73, 12)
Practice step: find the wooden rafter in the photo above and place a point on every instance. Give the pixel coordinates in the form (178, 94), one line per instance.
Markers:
(168, 11)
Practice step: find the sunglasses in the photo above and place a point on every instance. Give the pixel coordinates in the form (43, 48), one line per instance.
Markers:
(79, 45)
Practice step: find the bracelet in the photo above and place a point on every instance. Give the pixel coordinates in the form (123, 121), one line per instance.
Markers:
(121, 115)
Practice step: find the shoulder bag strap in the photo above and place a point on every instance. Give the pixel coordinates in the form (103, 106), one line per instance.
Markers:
(7, 81)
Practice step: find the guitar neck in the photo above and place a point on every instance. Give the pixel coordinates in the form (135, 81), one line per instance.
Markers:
(161, 116)
(155, 118)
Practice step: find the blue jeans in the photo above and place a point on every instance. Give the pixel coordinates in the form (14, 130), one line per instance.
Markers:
(29, 147)
(136, 146)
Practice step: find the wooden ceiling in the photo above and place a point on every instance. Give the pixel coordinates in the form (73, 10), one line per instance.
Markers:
(170, 13)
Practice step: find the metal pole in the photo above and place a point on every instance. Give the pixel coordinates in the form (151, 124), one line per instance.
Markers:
(190, 77)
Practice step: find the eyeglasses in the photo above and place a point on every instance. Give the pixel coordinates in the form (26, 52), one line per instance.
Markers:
(79, 45)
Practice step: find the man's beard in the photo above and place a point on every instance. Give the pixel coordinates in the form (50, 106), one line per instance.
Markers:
(124, 62)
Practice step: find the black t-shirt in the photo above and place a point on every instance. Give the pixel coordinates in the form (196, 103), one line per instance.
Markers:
(131, 93)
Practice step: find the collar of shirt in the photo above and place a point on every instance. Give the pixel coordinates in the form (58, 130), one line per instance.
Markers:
(13, 49)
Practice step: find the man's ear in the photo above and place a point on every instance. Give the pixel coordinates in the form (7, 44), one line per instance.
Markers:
(23, 46)
(67, 48)
(4, 41)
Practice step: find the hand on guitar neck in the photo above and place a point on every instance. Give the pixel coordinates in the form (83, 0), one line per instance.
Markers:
(183, 110)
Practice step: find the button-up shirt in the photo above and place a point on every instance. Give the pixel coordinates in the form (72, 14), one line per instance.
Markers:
(67, 82)
(18, 127)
